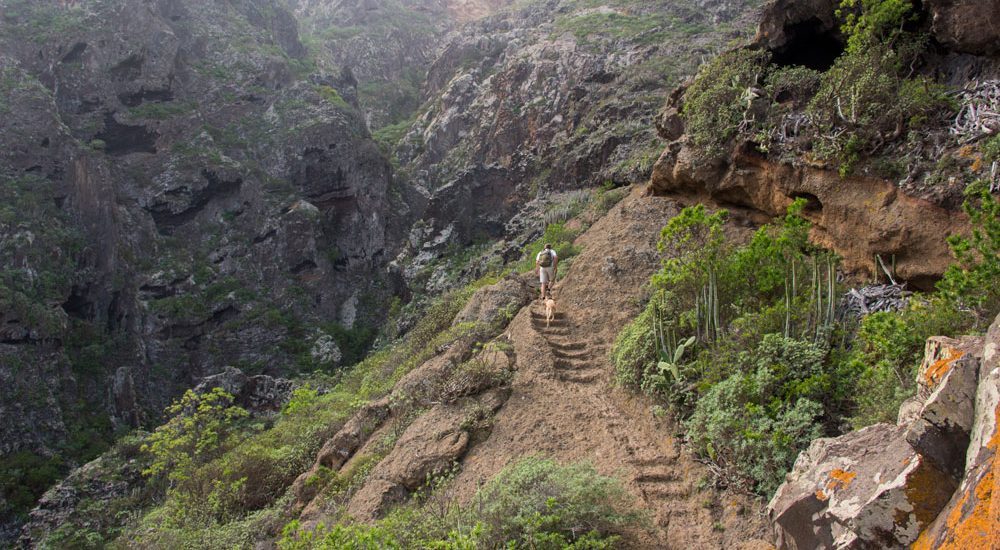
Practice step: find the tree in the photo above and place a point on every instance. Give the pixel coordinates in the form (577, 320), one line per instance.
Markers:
(200, 428)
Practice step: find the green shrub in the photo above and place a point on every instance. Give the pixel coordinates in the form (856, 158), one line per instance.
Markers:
(867, 21)
(717, 105)
(972, 281)
(536, 497)
(24, 476)
(865, 100)
(534, 503)
(634, 350)
(889, 351)
(199, 429)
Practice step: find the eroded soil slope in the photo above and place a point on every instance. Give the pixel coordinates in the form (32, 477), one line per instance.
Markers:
(564, 404)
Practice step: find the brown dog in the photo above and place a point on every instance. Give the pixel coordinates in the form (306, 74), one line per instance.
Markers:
(550, 311)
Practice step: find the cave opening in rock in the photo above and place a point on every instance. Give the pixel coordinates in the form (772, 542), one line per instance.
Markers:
(809, 45)
(813, 206)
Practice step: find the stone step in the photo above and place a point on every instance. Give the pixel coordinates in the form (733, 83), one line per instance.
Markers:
(540, 314)
(571, 354)
(657, 477)
(571, 345)
(579, 378)
(562, 364)
(662, 492)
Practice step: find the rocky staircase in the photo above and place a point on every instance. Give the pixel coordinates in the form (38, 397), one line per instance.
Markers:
(657, 475)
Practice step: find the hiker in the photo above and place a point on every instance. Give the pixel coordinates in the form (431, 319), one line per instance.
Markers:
(546, 262)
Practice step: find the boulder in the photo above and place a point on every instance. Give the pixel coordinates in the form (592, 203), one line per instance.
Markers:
(339, 449)
(971, 518)
(967, 26)
(865, 489)
(927, 482)
(427, 448)
(491, 304)
(946, 386)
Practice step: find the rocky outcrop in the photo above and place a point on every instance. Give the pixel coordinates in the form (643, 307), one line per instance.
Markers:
(967, 26)
(114, 481)
(496, 303)
(857, 216)
(543, 98)
(453, 387)
(386, 46)
(257, 394)
(927, 481)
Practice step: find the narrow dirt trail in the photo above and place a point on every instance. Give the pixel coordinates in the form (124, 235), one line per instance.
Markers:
(564, 403)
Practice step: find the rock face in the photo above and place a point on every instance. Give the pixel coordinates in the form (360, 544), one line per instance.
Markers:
(177, 193)
(385, 46)
(257, 394)
(966, 25)
(927, 481)
(857, 216)
(546, 97)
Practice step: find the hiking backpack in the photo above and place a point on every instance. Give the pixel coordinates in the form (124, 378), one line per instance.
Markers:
(546, 259)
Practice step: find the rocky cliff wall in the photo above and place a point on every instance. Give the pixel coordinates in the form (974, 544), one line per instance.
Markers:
(181, 191)
(857, 210)
(546, 97)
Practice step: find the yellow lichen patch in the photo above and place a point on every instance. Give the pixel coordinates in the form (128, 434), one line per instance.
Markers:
(840, 479)
(941, 367)
(974, 521)
(820, 495)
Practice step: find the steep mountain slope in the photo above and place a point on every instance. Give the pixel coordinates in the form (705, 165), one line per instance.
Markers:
(179, 193)
(387, 45)
(547, 96)
(560, 403)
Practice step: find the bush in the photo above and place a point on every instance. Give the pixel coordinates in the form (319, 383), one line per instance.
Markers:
(756, 421)
(534, 503)
(537, 497)
(889, 351)
(865, 100)
(717, 105)
(972, 281)
(634, 350)
(200, 429)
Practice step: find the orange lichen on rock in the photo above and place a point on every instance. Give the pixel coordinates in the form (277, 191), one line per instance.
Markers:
(974, 521)
(820, 495)
(936, 372)
(840, 479)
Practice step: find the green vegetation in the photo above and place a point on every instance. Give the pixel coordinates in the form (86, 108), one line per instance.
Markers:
(24, 476)
(224, 476)
(37, 253)
(534, 503)
(771, 366)
(716, 105)
(200, 428)
(866, 102)
(972, 281)
(40, 22)
(333, 97)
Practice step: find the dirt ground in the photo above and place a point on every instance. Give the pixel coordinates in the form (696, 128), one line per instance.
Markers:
(565, 405)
